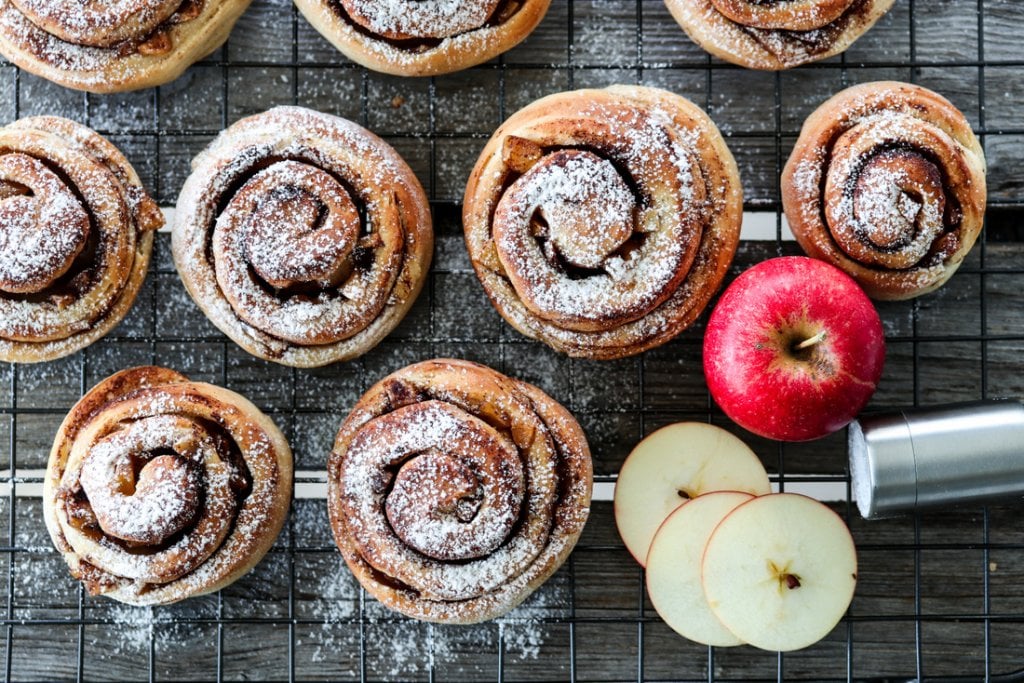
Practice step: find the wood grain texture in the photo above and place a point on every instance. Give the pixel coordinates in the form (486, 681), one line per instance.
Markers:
(300, 612)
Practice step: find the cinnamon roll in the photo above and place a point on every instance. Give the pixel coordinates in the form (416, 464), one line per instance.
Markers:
(423, 37)
(107, 46)
(454, 491)
(76, 232)
(602, 221)
(304, 237)
(778, 34)
(159, 488)
(887, 181)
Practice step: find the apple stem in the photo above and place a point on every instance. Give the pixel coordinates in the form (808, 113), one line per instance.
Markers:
(808, 343)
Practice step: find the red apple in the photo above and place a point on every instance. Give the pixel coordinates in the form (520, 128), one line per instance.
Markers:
(794, 349)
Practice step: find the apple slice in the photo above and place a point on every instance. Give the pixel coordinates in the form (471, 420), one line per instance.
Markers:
(672, 465)
(674, 568)
(779, 571)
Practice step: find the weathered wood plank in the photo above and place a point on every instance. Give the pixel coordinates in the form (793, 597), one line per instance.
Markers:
(312, 621)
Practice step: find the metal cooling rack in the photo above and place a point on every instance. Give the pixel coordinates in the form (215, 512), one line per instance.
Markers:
(941, 596)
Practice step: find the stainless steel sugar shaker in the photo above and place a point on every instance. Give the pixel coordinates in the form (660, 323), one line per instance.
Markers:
(922, 458)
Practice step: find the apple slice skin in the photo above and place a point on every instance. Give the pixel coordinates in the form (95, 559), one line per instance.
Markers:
(788, 531)
(674, 568)
(761, 381)
(694, 456)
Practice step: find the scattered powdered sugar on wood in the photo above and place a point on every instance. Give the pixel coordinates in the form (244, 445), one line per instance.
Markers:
(413, 646)
(605, 38)
(335, 607)
(134, 631)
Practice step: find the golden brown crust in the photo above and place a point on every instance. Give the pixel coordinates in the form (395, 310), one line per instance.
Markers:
(76, 236)
(159, 489)
(108, 58)
(603, 221)
(887, 182)
(273, 240)
(491, 495)
(400, 48)
(776, 35)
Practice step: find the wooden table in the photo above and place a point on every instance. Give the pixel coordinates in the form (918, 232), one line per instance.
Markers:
(939, 595)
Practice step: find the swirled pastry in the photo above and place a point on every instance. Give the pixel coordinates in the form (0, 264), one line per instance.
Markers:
(423, 37)
(76, 232)
(887, 181)
(603, 221)
(304, 237)
(454, 491)
(777, 34)
(159, 488)
(113, 45)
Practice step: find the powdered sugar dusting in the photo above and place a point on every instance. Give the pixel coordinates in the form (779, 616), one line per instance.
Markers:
(436, 421)
(471, 42)
(421, 429)
(792, 15)
(346, 282)
(49, 48)
(140, 516)
(101, 23)
(776, 35)
(882, 185)
(113, 46)
(203, 504)
(422, 18)
(634, 281)
(424, 37)
(649, 284)
(315, 310)
(74, 246)
(41, 234)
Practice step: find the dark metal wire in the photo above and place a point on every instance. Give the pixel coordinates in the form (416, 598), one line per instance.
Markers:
(642, 617)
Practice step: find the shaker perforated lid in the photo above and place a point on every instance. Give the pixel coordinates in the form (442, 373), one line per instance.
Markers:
(922, 458)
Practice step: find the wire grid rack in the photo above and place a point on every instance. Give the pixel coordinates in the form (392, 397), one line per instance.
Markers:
(941, 596)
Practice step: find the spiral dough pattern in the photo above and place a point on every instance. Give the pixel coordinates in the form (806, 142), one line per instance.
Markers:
(159, 488)
(113, 45)
(455, 491)
(423, 37)
(602, 221)
(99, 23)
(776, 34)
(76, 232)
(304, 237)
(421, 19)
(887, 181)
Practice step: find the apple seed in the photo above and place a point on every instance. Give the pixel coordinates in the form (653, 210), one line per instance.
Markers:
(784, 576)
